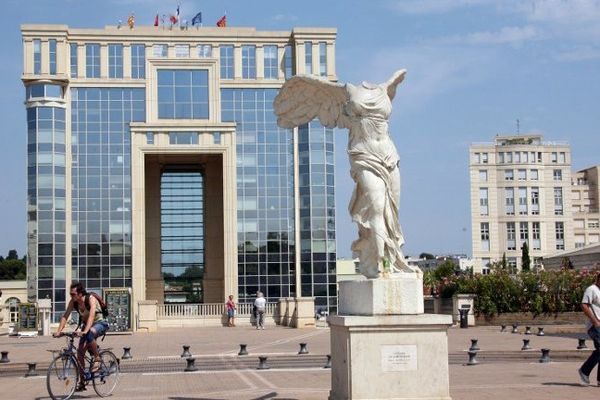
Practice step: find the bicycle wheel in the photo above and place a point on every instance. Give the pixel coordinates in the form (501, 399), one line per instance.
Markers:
(62, 377)
(107, 377)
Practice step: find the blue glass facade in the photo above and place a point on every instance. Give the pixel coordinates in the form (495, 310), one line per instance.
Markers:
(183, 94)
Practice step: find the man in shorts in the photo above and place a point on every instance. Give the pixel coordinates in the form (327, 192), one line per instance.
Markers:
(591, 308)
(91, 321)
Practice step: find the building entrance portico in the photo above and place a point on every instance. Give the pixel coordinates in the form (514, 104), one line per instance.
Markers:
(204, 156)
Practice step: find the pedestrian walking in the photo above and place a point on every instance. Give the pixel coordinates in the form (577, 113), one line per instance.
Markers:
(591, 308)
(261, 306)
(231, 309)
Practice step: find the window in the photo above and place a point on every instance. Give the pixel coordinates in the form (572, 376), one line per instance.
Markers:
(511, 262)
(522, 174)
(270, 62)
(511, 243)
(226, 62)
(562, 157)
(539, 157)
(533, 175)
(182, 94)
(149, 138)
(523, 232)
(483, 176)
(13, 309)
(593, 223)
(52, 55)
(308, 57)
(249, 62)
(535, 236)
(37, 56)
(182, 51)
(558, 201)
(44, 90)
(288, 62)
(484, 158)
(160, 50)
(115, 61)
(524, 157)
(509, 196)
(517, 157)
(322, 58)
(216, 137)
(500, 158)
(557, 173)
(183, 137)
(522, 201)
(73, 57)
(138, 61)
(483, 201)
(477, 158)
(485, 266)
(554, 157)
(509, 175)
(532, 157)
(92, 60)
(204, 50)
(535, 200)
(559, 230)
(485, 236)
(509, 158)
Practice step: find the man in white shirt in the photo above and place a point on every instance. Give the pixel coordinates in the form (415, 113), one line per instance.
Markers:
(591, 308)
(261, 306)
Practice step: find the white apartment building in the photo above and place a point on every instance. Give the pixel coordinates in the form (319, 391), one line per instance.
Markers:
(520, 192)
(585, 198)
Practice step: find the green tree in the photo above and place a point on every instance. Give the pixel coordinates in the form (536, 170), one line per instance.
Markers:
(12, 255)
(427, 256)
(445, 270)
(503, 263)
(525, 259)
(13, 270)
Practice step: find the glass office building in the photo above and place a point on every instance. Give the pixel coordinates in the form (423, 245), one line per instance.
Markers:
(155, 164)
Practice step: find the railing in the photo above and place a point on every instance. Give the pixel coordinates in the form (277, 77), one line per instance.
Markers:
(207, 310)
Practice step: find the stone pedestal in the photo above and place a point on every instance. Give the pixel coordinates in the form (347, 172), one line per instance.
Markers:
(463, 301)
(147, 316)
(44, 310)
(304, 314)
(384, 347)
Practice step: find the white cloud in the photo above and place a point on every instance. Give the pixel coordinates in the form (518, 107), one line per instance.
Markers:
(583, 53)
(434, 6)
(565, 12)
(507, 35)
(285, 17)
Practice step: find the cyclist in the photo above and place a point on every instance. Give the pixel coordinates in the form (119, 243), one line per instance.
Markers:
(91, 322)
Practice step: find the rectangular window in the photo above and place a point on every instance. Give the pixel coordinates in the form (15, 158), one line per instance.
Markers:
(477, 158)
(216, 137)
(149, 138)
(509, 158)
(160, 50)
(522, 201)
(593, 223)
(522, 174)
(52, 55)
(138, 61)
(182, 51)
(509, 175)
(533, 175)
(115, 60)
(484, 158)
(308, 58)
(558, 201)
(288, 62)
(511, 242)
(559, 230)
(557, 174)
(485, 236)
(509, 196)
(183, 137)
(554, 157)
(37, 56)
(539, 157)
(485, 266)
(483, 176)
(535, 236)
(524, 157)
(270, 61)
(562, 157)
(532, 157)
(535, 200)
(500, 158)
(204, 50)
(517, 157)
(483, 201)
(322, 58)
(226, 62)
(512, 263)
(73, 57)
(183, 94)
(92, 60)
(523, 232)
(249, 62)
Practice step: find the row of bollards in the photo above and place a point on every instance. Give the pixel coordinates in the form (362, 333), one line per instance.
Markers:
(262, 363)
(544, 359)
(515, 329)
(243, 350)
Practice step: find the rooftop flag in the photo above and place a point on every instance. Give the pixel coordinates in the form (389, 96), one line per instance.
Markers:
(197, 20)
(156, 20)
(131, 21)
(173, 19)
(222, 23)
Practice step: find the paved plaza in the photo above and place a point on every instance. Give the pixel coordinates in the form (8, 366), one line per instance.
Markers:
(156, 370)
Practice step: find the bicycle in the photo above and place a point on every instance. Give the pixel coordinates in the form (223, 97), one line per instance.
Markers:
(65, 372)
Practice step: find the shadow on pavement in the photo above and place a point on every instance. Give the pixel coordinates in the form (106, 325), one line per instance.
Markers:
(268, 396)
(562, 384)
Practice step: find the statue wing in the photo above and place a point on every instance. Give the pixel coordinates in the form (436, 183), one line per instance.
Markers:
(304, 98)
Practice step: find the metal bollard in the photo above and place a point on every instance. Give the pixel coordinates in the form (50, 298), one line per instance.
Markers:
(262, 363)
(515, 328)
(502, 328)
(581, 344)
(126, 353)
(472, 358)
(545, 356)
(541, 331)
(243, 351)
(303, 349)
(186, 351)
(474, 346)
(4, 358)
(528, 330)
(31, 370)
(328, 363)
(526, 345)
(191, 365)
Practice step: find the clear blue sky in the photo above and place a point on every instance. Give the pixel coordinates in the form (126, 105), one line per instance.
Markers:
(474, 67)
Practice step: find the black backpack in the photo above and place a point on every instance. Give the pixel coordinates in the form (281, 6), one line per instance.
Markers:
(101, 302)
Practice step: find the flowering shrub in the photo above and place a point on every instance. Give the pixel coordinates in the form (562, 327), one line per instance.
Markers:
(545, 292)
